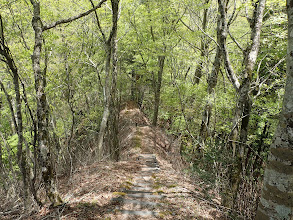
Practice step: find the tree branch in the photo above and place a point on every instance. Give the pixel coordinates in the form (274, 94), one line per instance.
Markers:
(224, 29)
(115, 9)
(68, 20)
(98, 22)
(10, 105)
(231, 19)
(200, 30)
(235, 41)
(1, 31)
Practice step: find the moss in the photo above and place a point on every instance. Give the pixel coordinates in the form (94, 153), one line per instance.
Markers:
(119, 193)
(164, 213)
(172, 186)
(129, 183)
(86, 205)
(125, 186)
(55, 199)
(136, 141)
(138, 133)
(157, 185)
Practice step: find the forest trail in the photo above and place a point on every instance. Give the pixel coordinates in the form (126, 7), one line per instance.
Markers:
(147, 183)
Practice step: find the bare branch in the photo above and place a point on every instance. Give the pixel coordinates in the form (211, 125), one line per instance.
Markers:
(115, 10)
(200, 30)
(68, 20)
(191, 44)
(1, 31)
(2, 60)
(235, 41)
(258, 69)
(10, 105)
(232, 16)
(98, 22)
(224, 29)
(271, 73)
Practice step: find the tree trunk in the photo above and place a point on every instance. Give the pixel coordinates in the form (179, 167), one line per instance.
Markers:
(133, 86)
(1, 159)
(212, 82)
(106, 113)
(114, 112)
(242, 112)
(110, 106)
(48, 174)
(277, 194)
(158, 83)
(203, 46)
(136, 89)
(21, 154)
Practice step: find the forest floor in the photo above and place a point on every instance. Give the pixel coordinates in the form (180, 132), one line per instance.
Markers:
(112, 190)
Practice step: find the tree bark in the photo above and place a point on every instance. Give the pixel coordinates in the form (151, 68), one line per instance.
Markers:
(48, 174)
(105, 117)
(106, 93)
(158, 83)
(212, 82)
(242, 112)
(21, 154)
(114, 111)
(203, 46)
(277, 194)
(110, 106)
(1, 159)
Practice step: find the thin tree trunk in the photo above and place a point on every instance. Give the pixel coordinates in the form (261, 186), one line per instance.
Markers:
(133, 91)
(47, 168)
(114, 112)
(158, 83)
(277, 194)
(106, 91)
(212, 82)
(1, 159)
(110, 45)
(1, 154)
(34, 143)
(242, 112)
(21, 154)
(203, 47)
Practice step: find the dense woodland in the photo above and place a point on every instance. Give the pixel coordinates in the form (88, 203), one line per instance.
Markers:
(211, 73)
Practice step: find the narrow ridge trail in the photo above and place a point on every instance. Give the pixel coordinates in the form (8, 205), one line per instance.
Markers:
(158, 189)
(144, 202)
(147, 183)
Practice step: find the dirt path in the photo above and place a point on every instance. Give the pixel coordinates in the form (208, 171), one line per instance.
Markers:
(140, 198)
(146, 184)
